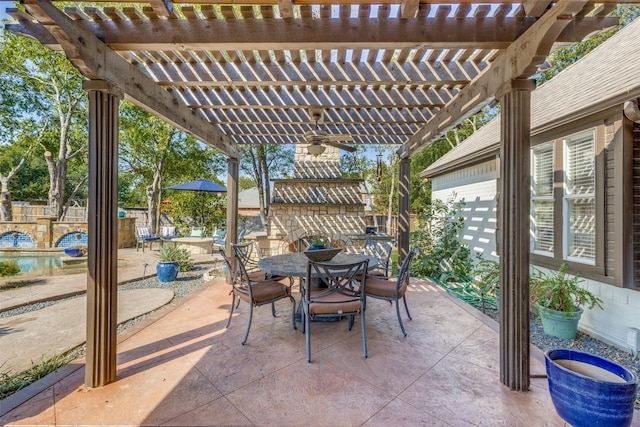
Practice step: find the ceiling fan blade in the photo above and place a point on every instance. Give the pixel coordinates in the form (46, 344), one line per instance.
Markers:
(339, 138)
(341, 146)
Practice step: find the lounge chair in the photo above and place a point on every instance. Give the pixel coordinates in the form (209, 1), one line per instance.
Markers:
(145, 237)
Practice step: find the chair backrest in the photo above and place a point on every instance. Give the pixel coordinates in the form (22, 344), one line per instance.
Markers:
(220, 233)
(338, 279)
(403, 274)
(248, 255)
(168, 231)
(142, 232)
(229, 261)
(196, 232)
(380, 250)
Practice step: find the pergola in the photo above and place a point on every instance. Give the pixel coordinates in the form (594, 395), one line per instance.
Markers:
(384, 72)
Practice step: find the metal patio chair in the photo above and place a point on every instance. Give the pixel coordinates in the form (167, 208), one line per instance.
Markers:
(256, 292)
(342, 296)
(393, 289)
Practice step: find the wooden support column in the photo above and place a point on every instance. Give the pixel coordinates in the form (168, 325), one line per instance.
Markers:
(404, 207)
(102, 279)
(514, 233)
(233, 174)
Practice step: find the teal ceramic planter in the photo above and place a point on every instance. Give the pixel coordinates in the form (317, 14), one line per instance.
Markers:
(559, 323)
(167, 271)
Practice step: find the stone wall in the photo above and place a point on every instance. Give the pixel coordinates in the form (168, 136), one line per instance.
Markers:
(316, 202)
(46, 232)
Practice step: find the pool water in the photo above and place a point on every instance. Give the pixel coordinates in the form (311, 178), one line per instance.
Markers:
(42, 265)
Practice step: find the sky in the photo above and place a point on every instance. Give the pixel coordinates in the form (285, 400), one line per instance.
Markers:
(3, 6)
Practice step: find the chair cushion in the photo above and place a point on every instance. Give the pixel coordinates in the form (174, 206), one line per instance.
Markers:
(333, 303)
(383, 287)
(267, 291)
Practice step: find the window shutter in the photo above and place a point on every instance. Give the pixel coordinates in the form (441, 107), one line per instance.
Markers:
(580, 201)
(542, 199)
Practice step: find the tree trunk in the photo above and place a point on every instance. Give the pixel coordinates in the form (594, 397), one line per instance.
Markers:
(5, 205)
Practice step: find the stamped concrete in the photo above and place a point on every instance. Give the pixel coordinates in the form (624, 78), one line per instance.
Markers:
(28, 338)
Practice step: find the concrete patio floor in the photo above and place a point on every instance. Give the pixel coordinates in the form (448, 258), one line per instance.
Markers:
(180, 366)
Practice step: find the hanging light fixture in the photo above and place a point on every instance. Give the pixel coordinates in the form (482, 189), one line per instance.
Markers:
(379, 167)
(315, 149)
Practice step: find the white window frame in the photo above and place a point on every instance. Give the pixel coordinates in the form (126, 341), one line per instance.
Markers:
(541, 198)
(567, 197)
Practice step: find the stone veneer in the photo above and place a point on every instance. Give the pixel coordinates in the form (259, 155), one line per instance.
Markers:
(316, 201)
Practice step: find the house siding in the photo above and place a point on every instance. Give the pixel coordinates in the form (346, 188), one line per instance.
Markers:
(636, 204)
(475, 185)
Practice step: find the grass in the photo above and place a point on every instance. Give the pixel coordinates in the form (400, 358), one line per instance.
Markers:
(10, 384)
(14, 285)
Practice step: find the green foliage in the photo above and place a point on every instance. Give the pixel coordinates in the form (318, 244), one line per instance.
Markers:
(437, 239)
(318, 242)
(9, 384)
(9, 267)
(564, 57)
(170, 252)
(487, 276)
(558, 290)
(245, 183)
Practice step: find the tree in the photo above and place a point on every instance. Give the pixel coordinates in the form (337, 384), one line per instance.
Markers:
(263, 162)
(151, 151)
(564, 57)
(45, 90)
(245, 183)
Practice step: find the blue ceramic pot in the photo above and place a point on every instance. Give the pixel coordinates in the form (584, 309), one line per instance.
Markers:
(73, 252)
(316, 248)
(167, 271)
(589, 390)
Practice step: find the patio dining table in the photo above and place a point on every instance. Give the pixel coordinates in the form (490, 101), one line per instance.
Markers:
(294, 264)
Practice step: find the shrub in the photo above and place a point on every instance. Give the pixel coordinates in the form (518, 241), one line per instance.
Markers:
(437, 239)
(9, 267)
(172, 253)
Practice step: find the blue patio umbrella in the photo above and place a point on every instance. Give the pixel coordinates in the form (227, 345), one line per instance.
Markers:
(203, 186)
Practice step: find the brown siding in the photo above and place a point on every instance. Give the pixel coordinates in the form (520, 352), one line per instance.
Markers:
(609, 207)
(636, 204)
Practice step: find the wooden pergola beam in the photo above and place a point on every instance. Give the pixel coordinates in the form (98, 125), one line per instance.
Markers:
(279, 34)
(97, 61)
(520, 59)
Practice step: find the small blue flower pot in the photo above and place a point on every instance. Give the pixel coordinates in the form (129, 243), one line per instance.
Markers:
(316, 248)
(73, 252)
(167, 271)
(589, 390)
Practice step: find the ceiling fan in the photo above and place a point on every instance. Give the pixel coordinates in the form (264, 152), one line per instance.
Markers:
(316, 137)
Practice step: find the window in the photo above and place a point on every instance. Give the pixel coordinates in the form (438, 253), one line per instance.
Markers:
(579, 198)
(563, 205)
(542, 239)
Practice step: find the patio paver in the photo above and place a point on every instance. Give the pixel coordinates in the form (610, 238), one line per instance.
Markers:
(181, 367)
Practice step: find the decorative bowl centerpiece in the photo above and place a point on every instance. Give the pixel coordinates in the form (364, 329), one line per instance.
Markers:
(321, 255)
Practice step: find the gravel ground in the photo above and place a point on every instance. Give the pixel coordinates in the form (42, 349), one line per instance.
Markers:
(582, 342)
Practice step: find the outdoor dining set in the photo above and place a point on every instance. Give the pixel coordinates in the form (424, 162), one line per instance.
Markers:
(330, 289)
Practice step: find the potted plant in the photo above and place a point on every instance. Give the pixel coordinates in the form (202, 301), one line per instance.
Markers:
(168, 263)
(559, 300)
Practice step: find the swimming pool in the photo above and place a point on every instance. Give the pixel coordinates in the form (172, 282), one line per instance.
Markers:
(36, 265)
